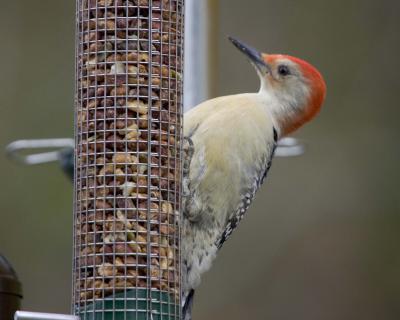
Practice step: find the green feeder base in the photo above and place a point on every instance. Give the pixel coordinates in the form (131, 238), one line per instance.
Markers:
(133, 305)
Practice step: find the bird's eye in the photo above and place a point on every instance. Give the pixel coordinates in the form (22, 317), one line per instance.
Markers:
(283, 70)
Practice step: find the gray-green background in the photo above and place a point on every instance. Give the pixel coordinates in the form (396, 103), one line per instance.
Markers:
(322, 238)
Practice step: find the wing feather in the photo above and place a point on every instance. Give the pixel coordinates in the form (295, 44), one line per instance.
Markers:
(248, 196)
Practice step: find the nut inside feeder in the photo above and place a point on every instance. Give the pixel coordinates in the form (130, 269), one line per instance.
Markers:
(127, 159)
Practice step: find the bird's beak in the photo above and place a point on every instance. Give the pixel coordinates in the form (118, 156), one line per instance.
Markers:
(254, 55)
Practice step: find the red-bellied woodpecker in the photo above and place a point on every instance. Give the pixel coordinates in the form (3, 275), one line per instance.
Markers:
(229, 145)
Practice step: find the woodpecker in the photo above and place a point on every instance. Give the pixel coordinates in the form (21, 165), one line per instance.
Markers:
(228, 149)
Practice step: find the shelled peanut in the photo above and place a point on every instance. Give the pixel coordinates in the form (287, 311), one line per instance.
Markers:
(128, 134)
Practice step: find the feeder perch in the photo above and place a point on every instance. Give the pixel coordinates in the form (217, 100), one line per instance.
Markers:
(128, 126)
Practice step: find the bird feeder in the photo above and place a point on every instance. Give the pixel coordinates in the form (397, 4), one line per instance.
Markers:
(128, 126)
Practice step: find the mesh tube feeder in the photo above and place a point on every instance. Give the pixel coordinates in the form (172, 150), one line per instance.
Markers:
(128, 127)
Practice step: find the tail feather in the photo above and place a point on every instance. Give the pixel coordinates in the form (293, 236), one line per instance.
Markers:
(187, 306)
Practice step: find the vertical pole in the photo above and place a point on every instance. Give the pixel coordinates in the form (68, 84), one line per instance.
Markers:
(200, 51)
(128, 127)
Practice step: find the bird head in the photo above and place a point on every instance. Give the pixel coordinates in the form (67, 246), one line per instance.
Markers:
(293, 89)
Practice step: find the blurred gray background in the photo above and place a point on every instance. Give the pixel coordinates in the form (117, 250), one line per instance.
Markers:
(322, 238)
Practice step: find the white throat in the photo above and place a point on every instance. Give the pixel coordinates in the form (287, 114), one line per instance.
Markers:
(284, 106)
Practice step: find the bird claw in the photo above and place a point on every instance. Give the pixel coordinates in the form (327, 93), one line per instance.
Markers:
(188, 150)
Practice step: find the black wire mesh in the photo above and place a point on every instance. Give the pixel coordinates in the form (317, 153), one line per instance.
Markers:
(127, 162)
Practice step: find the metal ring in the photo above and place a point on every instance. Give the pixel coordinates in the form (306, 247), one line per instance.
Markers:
(289, 147)
(15, 148)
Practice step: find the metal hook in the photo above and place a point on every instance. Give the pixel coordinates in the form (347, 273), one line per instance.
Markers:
(289, 147)
(25, 315)
(15, 148)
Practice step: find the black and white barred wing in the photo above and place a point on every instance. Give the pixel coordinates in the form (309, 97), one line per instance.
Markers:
(248, 193)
